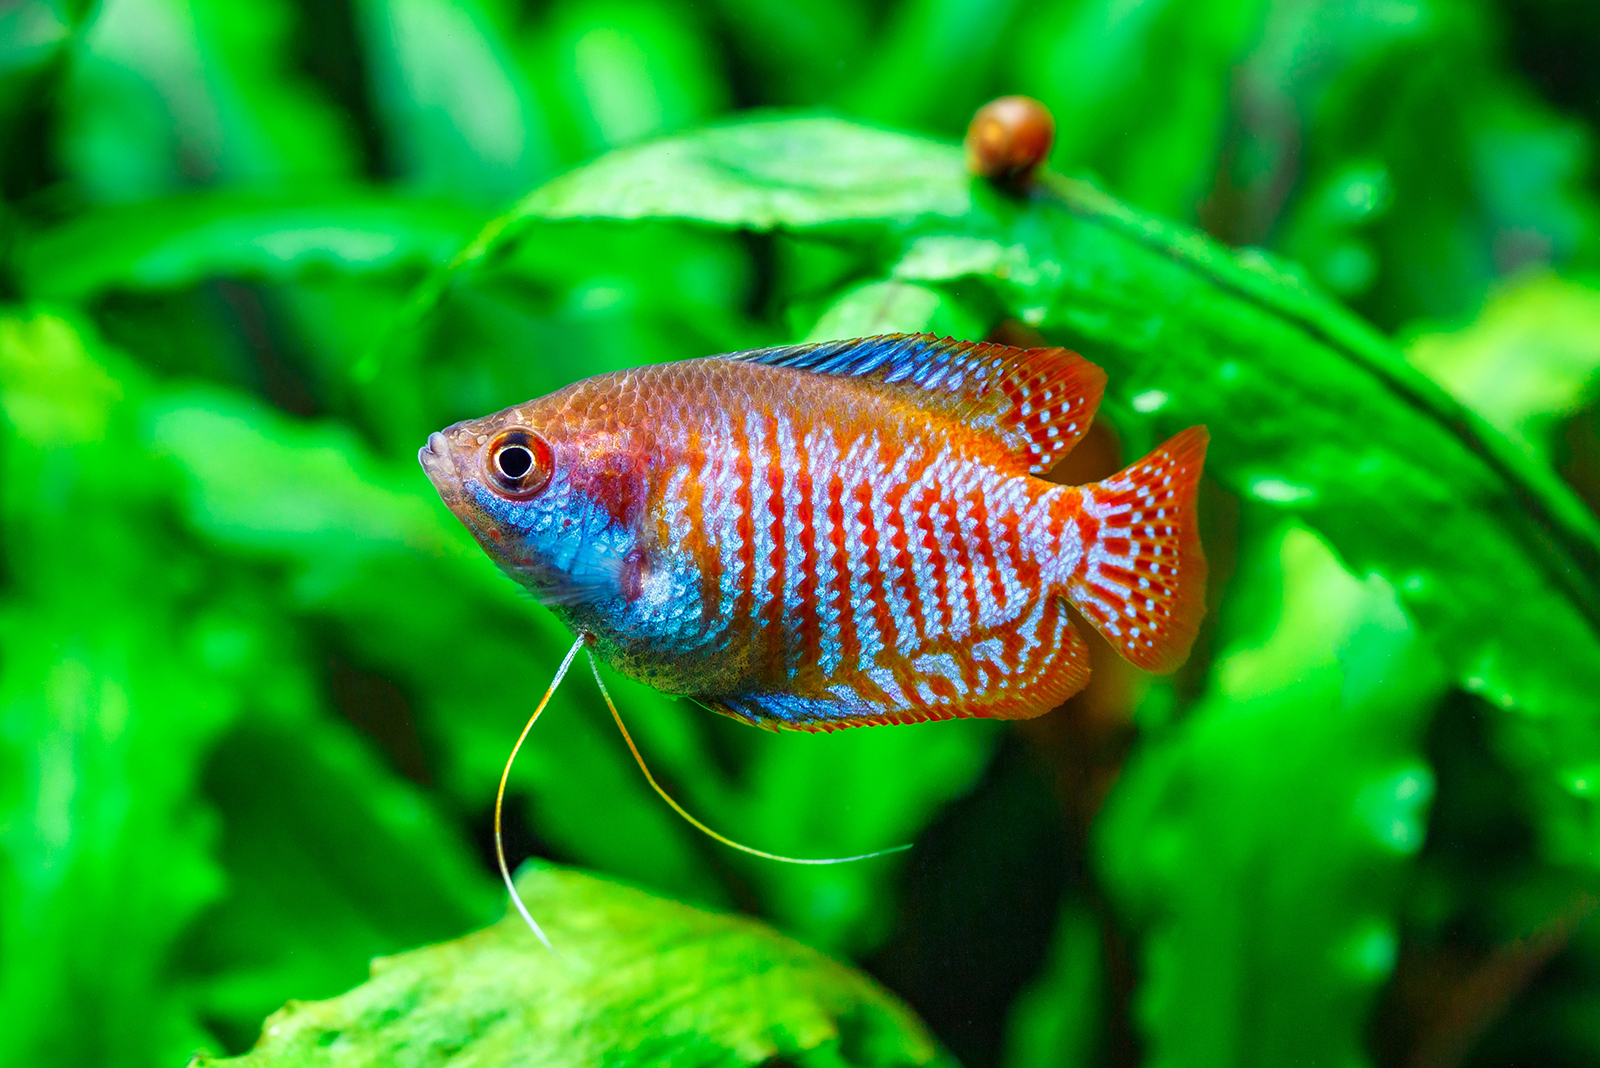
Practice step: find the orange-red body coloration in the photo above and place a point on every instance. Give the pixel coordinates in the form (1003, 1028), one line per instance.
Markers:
(839, 534)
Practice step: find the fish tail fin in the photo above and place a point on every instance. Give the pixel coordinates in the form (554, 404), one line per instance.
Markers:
(1139, 574)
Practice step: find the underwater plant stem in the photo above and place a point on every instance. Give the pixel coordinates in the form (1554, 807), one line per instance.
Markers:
(500, 794)
(696, 824)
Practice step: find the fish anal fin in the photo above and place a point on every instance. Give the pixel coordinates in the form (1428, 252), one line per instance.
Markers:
(1036, 403)
(1003, 674)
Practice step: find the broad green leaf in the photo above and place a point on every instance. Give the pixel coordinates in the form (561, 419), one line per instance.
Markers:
(1263, 841)
(160, 92)
(639, 981)
(1531, 357)
(179, 242)
(1311, 412)
(764, 173)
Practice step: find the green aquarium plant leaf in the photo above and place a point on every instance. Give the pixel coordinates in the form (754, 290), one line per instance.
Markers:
(893, 307)
(1311, 411)
(763, 173)
(766, 172)
(639, 980)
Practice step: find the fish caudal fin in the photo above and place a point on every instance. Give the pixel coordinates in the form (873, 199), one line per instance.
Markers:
(1141, 578)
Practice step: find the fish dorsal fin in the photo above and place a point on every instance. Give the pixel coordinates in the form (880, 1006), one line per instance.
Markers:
(1036, 402)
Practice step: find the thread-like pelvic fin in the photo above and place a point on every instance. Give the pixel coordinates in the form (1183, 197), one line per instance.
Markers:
(500, 794)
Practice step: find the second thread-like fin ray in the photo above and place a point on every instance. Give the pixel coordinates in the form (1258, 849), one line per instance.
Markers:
(661, 792)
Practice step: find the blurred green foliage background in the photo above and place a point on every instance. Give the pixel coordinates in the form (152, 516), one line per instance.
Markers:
(256, 684)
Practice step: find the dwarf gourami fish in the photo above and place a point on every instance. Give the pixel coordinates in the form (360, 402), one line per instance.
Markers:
(837, 534)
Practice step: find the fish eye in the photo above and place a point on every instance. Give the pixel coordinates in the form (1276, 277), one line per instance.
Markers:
(519, 463)
(514, 461)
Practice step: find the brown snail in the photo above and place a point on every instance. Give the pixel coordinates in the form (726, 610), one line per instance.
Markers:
(1008, 138)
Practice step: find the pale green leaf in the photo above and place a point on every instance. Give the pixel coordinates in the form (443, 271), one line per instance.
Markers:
(638, 980)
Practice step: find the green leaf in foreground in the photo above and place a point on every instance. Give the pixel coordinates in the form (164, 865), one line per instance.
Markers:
(639, 981)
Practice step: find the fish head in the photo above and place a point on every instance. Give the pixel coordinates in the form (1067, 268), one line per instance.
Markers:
(552, 499)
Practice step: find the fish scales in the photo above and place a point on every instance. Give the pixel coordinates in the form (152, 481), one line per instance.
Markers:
(840, 534)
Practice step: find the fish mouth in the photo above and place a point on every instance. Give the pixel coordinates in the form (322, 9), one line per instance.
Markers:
(438, 460)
